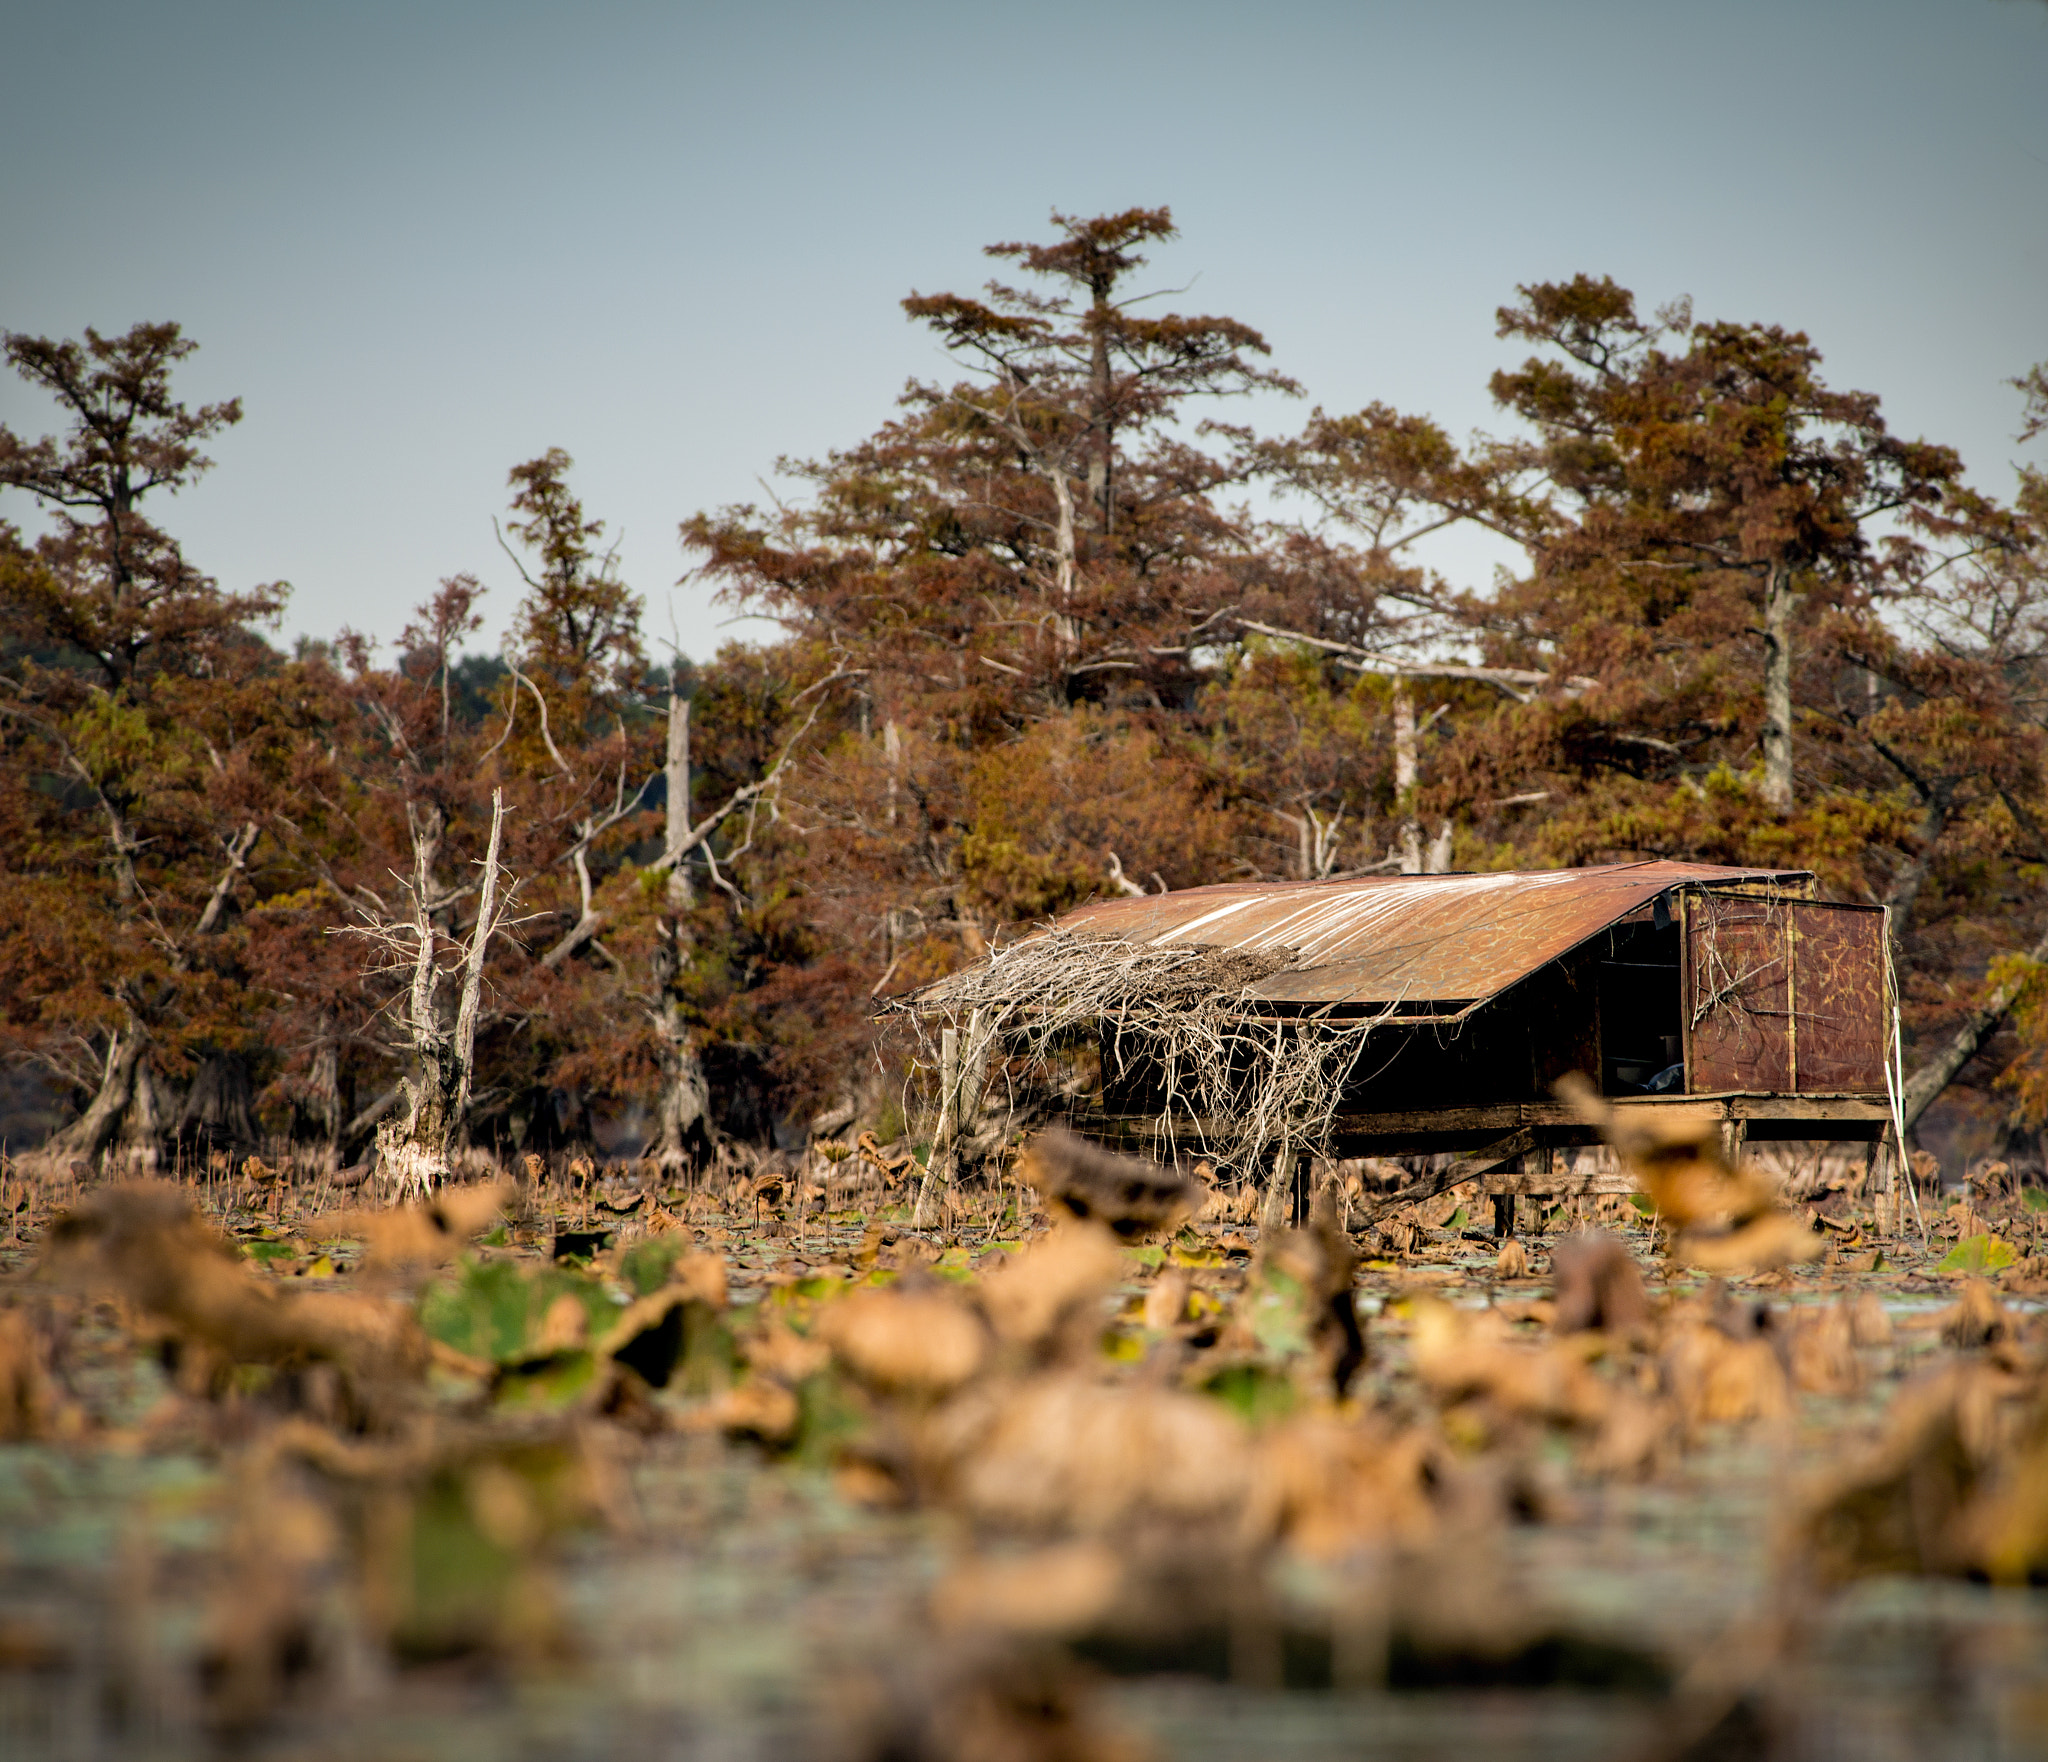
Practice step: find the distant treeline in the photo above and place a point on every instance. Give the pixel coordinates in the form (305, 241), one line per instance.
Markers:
(1034, 648)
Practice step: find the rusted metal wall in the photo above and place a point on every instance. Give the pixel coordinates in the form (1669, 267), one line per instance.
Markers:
(1738, 1013)
(1838, 1028)
(1783, 996)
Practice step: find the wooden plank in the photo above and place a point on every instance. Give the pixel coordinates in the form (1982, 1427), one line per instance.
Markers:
(1503, 1116)
(1554, 1123)
(1507, 1149)
(1551, 1184)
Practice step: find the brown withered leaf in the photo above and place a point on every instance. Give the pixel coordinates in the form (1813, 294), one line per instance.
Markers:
(1722, 1217)
(1067, 1453)
(1323, 1263)
(1761, 1243)
(426, 1234)
(1678, 1155)
(28, 1398)
(1462, 1354)
(701, 1277)
(1597, 1285)
(890, 1163)
(1975, 1319)
(1166, 1300)
(1080, 1180)
(923, 1341)
(2004, 1533)
(1048, 1297)
(1635, 1437)
(759, 1408)
(1327, 1487)
(987, 1699)
(1909, 1503)
(144, 1242)
(1869, 1323)
(1717, 1377)
(263, 1629)
(784, 1354)
(1058, 1590)
(1820, 1352)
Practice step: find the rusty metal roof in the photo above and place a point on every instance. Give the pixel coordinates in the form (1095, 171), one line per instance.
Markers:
(1408, 939)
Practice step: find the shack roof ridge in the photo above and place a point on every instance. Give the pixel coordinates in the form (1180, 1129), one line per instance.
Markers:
(1385, 938)
(1323, 923)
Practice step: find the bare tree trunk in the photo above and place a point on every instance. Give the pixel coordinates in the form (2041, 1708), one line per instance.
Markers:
(683, 1114)
(413, 1152)
(146, 1121)
(131, 1104)
(90, 1134)
(1439, 861)
(1780, 602)
(678, 812)
(683, 1118)
(1104, 450)
(1065, 634)
(892, 757)
(323, 1086)
(963, 1070)
(220, 1107)
(488, 912)
(1407, 774)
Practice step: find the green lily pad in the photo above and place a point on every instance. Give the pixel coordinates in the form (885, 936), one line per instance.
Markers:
(1279, 1314)
(1254, 1392)
(646, 1265)
(546, 1383)
(265, 1252)
(1978, 1254)
(493, 1309)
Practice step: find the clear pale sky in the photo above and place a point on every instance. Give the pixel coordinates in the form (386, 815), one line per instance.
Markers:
(425, 241)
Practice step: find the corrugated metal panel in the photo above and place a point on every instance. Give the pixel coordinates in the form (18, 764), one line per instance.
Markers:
(1407, 938)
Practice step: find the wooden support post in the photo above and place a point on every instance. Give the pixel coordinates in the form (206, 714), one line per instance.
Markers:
(1541, 1168)
(1734, 1135)
(1276, 1200)
(1504, 1215)
(1300, 1197)
(938, 1167)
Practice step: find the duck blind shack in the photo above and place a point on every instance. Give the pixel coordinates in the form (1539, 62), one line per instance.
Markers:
(1424, 1014)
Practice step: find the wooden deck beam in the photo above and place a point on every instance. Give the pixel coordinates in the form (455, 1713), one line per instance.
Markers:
(1552, 1125)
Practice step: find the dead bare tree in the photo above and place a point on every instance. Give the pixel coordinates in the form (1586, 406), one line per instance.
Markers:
(682, 1114)
(413, 1151)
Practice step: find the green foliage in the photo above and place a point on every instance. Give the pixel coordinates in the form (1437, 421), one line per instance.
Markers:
(1278, 1310)
(1256, 1393)
(644, 1265)
(1978, 1254)
(494, 1309)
